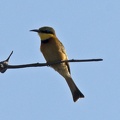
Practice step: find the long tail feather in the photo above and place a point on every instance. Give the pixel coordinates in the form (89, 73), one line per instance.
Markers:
(76, 93)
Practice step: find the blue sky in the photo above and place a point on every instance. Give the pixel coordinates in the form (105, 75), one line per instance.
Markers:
(88, 29)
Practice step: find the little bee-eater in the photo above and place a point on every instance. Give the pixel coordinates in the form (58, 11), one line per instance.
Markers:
(53, 51)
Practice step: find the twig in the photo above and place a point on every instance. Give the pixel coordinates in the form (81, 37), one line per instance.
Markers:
(49, 64)
(4, 64)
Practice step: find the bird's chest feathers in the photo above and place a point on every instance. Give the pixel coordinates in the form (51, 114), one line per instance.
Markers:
(51, 50)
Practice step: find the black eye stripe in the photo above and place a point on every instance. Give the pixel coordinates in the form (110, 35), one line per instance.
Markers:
(46, 31)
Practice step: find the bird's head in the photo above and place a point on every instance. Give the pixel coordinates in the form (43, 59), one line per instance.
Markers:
(45, 32)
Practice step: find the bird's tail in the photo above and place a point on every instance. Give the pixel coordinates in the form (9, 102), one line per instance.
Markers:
(76, 93)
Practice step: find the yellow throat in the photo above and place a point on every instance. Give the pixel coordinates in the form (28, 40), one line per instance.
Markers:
(45, 36)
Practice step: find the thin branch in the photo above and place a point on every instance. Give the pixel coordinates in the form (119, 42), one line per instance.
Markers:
(4, 64)
(9, 56)
(49, 64)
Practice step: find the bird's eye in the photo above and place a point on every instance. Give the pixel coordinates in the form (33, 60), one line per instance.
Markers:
(47, 31)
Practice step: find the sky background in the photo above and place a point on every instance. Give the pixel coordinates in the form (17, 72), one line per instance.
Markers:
(88, 29)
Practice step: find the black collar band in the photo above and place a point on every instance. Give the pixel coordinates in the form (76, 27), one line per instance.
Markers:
(45, 41)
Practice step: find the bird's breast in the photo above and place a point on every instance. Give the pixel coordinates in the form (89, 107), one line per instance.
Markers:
(52, 51)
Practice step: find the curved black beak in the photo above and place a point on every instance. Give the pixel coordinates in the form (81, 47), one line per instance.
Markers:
(35, 30)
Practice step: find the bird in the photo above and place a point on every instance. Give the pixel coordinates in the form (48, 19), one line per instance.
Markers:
(53, 51)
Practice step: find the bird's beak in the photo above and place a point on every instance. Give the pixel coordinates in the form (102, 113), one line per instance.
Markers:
(35, 30)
